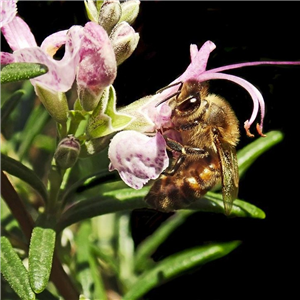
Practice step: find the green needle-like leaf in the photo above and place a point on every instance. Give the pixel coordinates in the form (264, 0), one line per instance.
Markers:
(125, 251)
(213, 202)
(41, 251)
(251, 152)
(17, 169)
(14, 271)
(88, 273)
(175, 265)
(82, 259)
(21, 71)
(86, 182)
(34, 126)
(10, 104)
(128, 199)
(119, 200)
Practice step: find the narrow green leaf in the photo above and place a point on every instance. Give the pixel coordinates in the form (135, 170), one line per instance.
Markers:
(125, 251)
(17, 169)
(41, 251)
(21, 71)
(151, 243)
(82, 258)
(14, 271)
(33, 127)
(123, 194)
(10, 104)
(251, 152)
(86, 183)
(175, 265)
(99, 288)
(120, 200)
(88, 273)
(213, 202)
(107, 258)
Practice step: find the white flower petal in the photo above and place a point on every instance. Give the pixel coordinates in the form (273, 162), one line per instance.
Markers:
(137, 157)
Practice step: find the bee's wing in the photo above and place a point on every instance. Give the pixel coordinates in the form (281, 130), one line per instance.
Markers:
(230, 173)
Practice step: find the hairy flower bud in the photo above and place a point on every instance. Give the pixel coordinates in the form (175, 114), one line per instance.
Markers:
(97, 67)
(91, 10)
(130, 11)
(109, 15)
(124, 41)
(67, 152)
(56, 103)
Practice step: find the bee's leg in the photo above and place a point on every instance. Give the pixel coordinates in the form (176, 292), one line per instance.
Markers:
(184, 151)
(172, 146)
(173, 169)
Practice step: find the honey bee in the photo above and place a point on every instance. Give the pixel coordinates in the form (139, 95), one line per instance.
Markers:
(203, 155)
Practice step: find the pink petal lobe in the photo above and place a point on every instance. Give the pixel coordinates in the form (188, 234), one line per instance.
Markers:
(199, 61)
(97, 67)
(8, 10)
(137, 157)
(61, 74)
(18, 34)
(6, 58)
(59, 78)
(257, 98)
(53, 42)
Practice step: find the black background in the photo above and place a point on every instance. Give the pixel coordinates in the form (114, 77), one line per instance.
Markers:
(266, 264)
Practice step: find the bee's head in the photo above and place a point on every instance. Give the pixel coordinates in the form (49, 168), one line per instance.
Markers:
(188, 100)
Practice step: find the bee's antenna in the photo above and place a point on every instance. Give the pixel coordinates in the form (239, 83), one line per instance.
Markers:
(180, 83)
(166, 99)
(171, 85)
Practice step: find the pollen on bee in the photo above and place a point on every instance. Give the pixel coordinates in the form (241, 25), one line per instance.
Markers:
(206, 174)
(192, 182)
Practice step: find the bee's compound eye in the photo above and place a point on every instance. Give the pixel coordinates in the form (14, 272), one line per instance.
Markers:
(190, 104)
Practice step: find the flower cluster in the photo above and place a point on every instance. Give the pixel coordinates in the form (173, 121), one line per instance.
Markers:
(93, 52)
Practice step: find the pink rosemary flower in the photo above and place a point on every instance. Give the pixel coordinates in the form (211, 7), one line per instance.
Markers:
(158, 116)
(88, 55)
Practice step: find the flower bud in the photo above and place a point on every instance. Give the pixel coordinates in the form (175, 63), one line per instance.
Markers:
(67, 152)
(124, 41)
(97, 67)
(109, 15)
(130, 11)
(91, 10)
(89, 99)
(56, 103)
